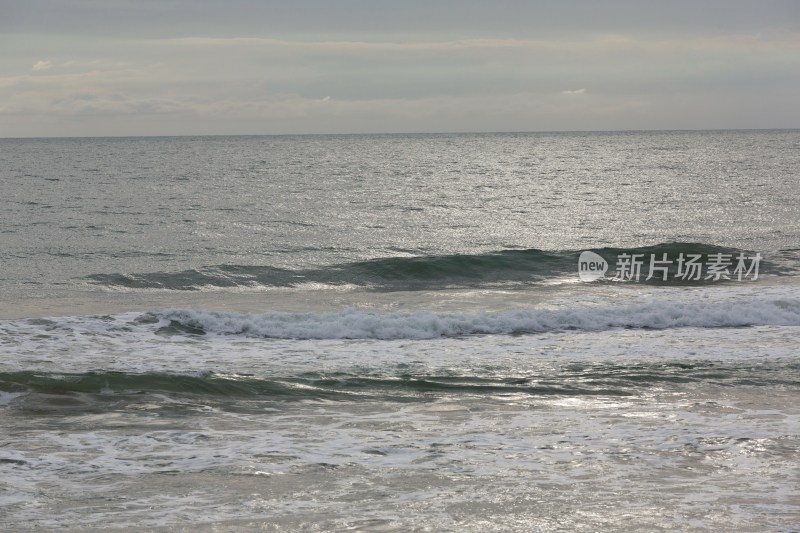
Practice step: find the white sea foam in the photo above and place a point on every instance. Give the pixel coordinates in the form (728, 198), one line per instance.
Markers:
(356, 324)
(7, 397)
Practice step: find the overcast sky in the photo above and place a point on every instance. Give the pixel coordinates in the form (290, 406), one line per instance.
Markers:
(199, 67)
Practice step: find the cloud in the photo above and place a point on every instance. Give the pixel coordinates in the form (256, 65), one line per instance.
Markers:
(355, 46)
(294, 83)
(42, 65)
(778, 41)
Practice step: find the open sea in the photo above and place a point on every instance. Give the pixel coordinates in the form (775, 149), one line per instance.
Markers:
(390, 332)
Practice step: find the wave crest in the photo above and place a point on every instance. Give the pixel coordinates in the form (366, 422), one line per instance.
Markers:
(355, 324)
(417, 273)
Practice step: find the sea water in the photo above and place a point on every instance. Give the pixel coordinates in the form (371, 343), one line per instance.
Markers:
(389, 332)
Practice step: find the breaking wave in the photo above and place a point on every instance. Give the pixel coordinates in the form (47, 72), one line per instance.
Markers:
(356, 324)
(416, 273)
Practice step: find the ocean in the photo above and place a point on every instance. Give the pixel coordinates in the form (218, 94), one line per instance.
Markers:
(399, 332)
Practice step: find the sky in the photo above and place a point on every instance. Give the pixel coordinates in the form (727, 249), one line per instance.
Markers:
(219, 67)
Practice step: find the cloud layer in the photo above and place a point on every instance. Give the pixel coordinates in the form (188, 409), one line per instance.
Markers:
(60, 82)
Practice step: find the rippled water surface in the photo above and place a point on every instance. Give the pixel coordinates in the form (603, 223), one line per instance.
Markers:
(388, 333)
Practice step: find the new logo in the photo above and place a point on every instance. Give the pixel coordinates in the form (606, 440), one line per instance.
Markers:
(591, 266)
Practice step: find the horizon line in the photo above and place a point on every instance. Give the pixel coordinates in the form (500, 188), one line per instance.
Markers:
(345, 134)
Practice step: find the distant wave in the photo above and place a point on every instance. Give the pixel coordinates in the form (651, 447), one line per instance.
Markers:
(412, 273)
(354, 324)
